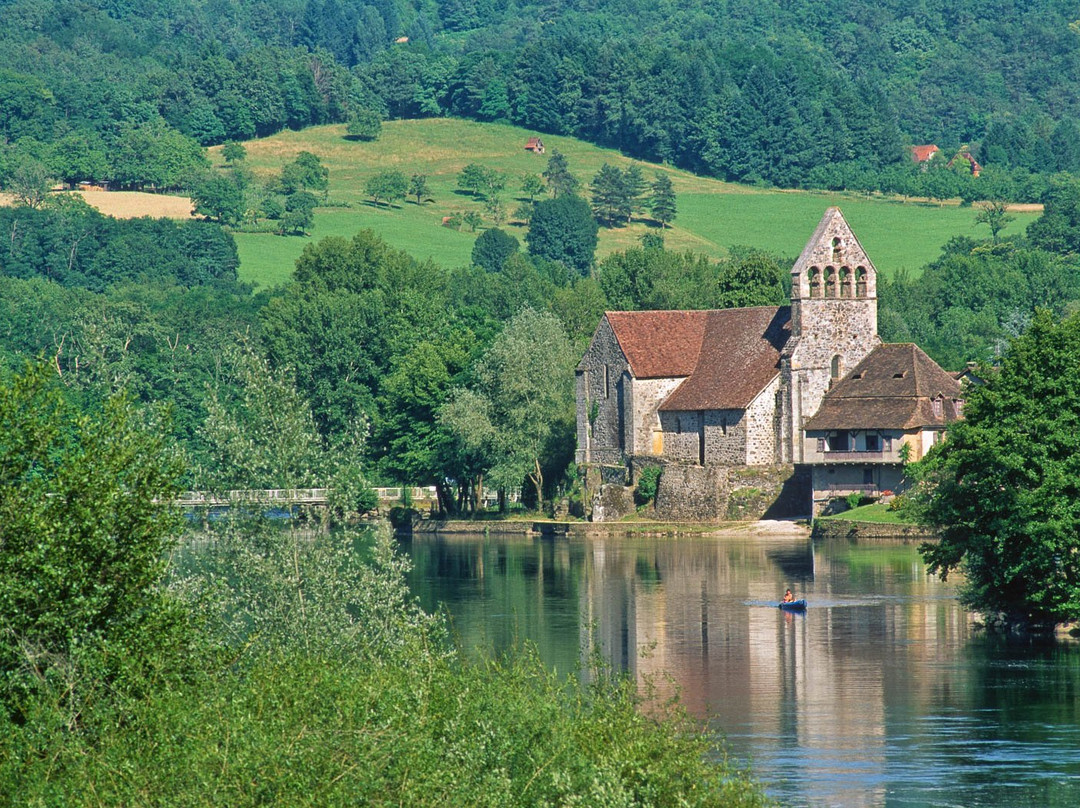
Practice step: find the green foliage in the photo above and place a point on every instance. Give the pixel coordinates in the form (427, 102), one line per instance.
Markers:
(612, 202)
(334, 664)
(1002, 488)
(364, 124)
(219, 198)
(74, 245)
(84, 536)
(387, 185)
(647, 484)
(29, 183)
(995, 215)
(259, 431)
(492, 248)
(1058, 229)
(558, 176)
(522, 400)
(233, 152)
(418, 187)
(305, 173)
(563, 230)
(974, 298)
(662, 201)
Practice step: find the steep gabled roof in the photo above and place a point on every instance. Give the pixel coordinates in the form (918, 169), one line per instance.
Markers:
(659, 344)
(726, 356)
(740, 355)
(833, 243)
(894, 387)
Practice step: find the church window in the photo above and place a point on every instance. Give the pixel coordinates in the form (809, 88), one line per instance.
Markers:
(845, 282)
(860, 282)
(815, 282)
(607, 382)
(836, 370)
(836, 246)
(830, 282)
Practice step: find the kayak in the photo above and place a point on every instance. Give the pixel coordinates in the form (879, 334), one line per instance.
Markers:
(793, 606)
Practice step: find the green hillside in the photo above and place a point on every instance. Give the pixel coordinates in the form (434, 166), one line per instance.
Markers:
(713, 215)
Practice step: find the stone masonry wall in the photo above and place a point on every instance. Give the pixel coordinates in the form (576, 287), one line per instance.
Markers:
(692, 493)
(602, 378)
(681, 431)
(761, 442)
(649, 394)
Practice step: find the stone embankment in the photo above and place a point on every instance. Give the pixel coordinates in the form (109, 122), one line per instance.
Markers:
(847, 529)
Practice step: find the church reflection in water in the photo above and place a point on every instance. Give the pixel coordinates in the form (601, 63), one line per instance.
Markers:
(827, 701)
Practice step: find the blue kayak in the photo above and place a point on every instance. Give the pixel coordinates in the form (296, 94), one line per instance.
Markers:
(793, 606)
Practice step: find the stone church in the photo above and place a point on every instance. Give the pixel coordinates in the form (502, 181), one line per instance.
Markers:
(712, 394)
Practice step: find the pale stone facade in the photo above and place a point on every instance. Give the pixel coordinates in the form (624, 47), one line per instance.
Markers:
(716, 390)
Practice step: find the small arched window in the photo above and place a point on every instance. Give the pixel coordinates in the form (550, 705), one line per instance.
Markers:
(830, 282)
(836, 370)
(845, 282)
(860, 282)
(815, 282)
(837, 246)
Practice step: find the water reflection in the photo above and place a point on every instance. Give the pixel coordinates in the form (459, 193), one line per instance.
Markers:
(880, 695)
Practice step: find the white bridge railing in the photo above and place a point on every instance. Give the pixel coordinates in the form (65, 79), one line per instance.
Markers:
(287, 496)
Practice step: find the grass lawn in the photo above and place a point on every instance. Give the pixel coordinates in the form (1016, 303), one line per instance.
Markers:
(713, 215)
(878, 513)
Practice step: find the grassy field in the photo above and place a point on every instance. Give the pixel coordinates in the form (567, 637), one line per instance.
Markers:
(713, 215)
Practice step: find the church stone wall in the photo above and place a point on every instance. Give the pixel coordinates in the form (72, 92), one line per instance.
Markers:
(681, 435)
(603, 379)
(649, 394)
(761, 441)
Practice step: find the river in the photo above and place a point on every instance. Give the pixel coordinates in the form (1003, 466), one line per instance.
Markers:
(882, 694)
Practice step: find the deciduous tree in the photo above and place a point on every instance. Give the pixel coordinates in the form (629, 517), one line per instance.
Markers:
(564, 230)
(1003, 489)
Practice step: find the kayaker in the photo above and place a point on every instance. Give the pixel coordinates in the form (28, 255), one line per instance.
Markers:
(788, 597)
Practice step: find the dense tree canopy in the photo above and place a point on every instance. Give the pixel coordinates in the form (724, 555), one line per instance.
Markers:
(1004, 487)
(792, 94)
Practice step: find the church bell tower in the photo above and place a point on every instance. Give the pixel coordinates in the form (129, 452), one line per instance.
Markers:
(833, 325)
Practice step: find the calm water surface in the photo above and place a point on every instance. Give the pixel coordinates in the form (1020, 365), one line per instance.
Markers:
(882, 694)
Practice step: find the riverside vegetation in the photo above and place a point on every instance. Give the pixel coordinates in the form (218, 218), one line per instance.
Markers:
(271, 665)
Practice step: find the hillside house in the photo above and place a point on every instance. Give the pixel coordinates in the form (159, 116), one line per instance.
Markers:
(924, 154)
(738, 387)
(535, 145)
(964, 156)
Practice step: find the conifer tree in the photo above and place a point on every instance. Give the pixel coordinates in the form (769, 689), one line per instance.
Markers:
(558, 175)
(662, 201)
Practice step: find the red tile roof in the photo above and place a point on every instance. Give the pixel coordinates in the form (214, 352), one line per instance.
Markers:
(920, 154)
(740, 355)
(659, 344)
(728, 355)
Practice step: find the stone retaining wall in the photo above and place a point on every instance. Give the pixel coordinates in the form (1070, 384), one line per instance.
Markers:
(843, 528)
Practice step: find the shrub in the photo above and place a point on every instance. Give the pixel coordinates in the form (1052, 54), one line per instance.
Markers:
(648, 482)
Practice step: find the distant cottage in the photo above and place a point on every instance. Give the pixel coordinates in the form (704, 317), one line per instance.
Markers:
(923, 154)
(534, 144)
(806, 391)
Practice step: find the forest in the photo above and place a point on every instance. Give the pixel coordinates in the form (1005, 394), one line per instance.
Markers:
(801, 94)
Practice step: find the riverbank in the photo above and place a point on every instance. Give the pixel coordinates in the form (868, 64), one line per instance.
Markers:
(509, 527)
(833, 528)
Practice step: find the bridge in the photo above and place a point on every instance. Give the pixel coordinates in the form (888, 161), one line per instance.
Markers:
(288, 496)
